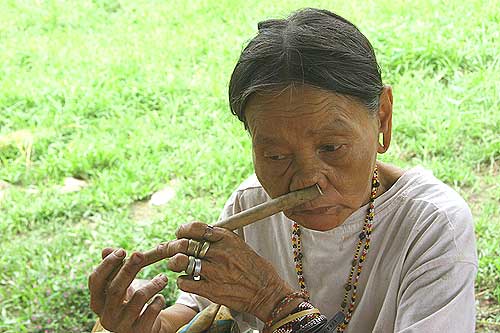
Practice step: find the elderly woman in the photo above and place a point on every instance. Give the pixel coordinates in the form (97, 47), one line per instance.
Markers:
(383, 250)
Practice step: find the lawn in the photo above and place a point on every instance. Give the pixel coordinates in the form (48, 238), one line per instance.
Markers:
(130, 97)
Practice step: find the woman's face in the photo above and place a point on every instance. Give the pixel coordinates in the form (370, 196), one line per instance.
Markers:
(305, 135)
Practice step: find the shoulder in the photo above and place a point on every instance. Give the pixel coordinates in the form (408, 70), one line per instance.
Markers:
(420, 193)
(438, 259)
(248, 194)
(438, 221)
(430, 198)
(249, 184)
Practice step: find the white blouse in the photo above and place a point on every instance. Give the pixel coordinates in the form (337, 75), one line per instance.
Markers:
(419, 273)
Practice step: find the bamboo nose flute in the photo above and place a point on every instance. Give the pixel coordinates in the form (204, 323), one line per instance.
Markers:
(276, 205)
(232, 223)
(259, 212)
(246, 217)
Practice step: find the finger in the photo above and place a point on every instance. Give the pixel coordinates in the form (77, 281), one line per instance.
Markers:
(178, 263)
(134, 307)
(212, 291)
(200, 287)
(165, 250)
(148, 317)
(202, 231)
(117, 289)
(209, 271)
(130, 292)
(98, 279)
(106, 252)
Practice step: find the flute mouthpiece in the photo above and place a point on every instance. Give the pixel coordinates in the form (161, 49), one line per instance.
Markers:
(319, 189)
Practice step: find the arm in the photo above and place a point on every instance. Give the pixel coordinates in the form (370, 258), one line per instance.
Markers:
(439, 299)
(437, 289)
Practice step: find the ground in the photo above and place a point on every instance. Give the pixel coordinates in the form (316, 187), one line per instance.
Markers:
(104, 103)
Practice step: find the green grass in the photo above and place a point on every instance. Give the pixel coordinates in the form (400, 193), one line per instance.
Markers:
(130, 95)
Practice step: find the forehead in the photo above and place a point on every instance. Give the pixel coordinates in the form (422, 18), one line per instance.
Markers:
(303, 106)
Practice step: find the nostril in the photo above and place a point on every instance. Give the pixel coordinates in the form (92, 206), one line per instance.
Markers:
(309, 180)
(302, 185)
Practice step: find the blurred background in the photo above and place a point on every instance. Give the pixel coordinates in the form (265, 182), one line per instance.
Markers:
(115, 128)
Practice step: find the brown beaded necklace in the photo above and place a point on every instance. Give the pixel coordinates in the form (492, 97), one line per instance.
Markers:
(357, 263)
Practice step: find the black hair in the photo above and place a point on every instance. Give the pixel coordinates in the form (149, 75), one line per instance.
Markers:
(314, 47)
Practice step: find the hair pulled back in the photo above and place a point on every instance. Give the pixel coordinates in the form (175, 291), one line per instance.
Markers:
(314, 47)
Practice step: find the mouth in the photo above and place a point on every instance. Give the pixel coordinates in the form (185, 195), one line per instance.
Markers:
(313, 211)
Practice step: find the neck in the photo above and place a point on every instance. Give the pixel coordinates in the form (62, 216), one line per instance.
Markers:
(387, 176)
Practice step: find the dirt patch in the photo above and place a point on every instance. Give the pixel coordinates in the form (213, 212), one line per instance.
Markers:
(143, 213)
(488, 313)
(4, 186)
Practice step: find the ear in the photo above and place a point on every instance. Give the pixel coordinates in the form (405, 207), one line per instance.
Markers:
(385, 119)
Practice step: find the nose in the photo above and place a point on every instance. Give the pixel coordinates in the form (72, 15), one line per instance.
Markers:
(306, 178)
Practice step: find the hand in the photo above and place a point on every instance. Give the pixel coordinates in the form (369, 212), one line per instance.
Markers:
(232, 273)
(120, 308)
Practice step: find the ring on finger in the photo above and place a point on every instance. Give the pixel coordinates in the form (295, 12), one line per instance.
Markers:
(190, 267)
(203, 250)
(193, 247)
(197, 270)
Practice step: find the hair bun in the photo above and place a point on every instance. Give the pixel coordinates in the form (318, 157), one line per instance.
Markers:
(269, 24)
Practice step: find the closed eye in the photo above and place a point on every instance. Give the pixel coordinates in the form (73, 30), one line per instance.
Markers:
(329, 148)
(276, 157)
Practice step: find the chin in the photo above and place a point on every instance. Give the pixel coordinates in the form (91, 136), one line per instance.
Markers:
(319, 222)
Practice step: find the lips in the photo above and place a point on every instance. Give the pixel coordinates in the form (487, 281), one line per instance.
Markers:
(325, 204)
(312, 211)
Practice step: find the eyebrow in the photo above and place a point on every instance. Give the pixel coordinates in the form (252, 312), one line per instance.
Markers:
(267, 141)
(338, 125)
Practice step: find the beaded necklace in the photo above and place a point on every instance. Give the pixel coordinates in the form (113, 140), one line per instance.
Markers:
(357, 263)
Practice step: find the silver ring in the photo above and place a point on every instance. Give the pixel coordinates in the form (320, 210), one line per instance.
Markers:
(191, 265)
(197, 269)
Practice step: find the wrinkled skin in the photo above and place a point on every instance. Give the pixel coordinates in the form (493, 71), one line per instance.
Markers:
(300, 136)
(303, 135)
(232, 274)
(116, 303)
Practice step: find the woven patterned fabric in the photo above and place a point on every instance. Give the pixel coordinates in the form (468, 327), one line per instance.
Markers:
(218, 326)
(222, 323)
(98, 328)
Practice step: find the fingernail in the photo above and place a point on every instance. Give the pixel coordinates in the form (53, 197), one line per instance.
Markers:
(136, 259)
(162, 277)
(119, 253)
(157, 299)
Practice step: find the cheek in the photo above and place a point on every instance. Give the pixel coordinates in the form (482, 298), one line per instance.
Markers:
(273, 181)
(351, 176)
